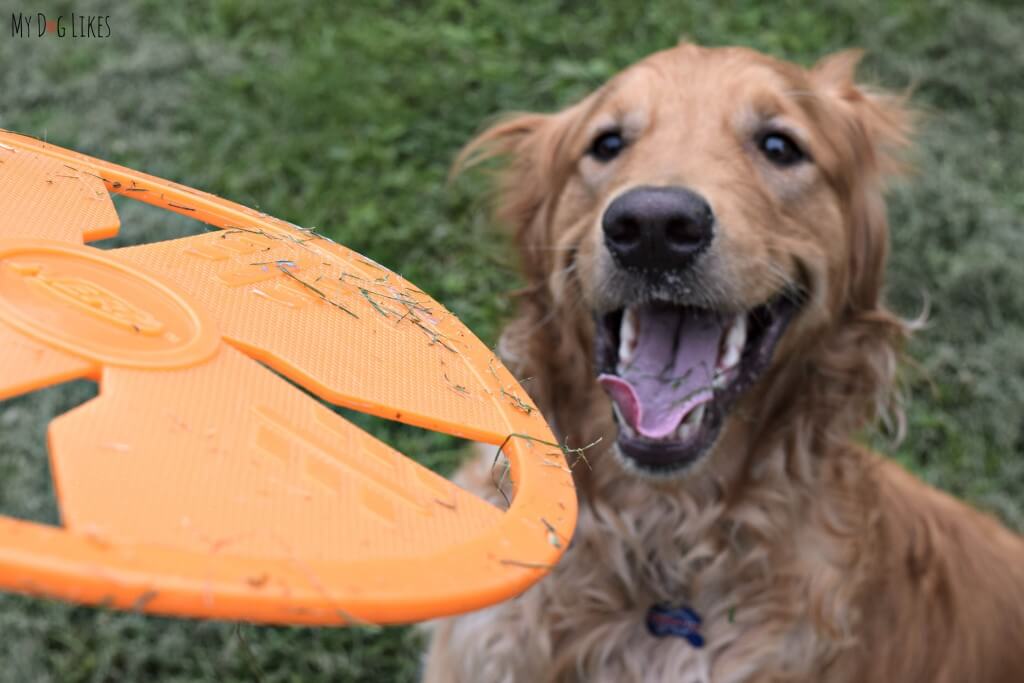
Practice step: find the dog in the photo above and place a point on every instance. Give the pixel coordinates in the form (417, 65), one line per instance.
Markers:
(703, 241)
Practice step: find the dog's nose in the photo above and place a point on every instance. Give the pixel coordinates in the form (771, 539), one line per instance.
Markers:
(657, 228)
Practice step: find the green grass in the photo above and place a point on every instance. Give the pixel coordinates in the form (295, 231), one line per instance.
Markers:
(345, 117)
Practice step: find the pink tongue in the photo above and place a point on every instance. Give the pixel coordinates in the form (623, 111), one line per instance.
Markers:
(671, 370)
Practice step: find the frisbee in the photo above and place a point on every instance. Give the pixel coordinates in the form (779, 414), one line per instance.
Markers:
(202, 481)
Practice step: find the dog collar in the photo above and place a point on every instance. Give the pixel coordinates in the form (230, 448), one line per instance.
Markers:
(682, 621)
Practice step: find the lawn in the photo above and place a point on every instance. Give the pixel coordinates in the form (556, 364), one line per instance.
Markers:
(345, 116)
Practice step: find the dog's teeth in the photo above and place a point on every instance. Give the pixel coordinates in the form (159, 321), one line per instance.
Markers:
(627, 336)
(691, 424)
(734, 342)
(623, 424)
(696, 415)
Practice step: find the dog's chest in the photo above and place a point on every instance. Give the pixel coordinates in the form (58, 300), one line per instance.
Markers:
(546, 635)
(587, 621)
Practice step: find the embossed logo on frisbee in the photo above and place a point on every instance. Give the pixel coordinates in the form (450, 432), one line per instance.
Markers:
(81, 300)
(91, 298)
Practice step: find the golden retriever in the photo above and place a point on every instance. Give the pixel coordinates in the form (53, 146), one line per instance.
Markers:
(704, 241)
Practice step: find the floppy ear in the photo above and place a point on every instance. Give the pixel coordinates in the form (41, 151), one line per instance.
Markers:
(867, 130)
(543, 341)
(532, 146)
(874, 130)
(501, 139)
(884, 120)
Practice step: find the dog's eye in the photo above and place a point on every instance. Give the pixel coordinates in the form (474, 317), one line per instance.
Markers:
(780, 149)
(607, 146)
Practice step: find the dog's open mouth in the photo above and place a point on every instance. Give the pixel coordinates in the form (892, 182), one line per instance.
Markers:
(673, 372)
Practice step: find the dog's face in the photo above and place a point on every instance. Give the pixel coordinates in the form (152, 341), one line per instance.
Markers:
(700, 205)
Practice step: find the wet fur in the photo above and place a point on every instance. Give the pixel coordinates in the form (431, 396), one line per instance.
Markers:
(809, 557)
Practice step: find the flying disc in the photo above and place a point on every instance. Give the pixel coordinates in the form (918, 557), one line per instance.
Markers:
(201, 482)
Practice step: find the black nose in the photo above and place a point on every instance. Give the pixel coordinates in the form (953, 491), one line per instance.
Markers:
(657, 228)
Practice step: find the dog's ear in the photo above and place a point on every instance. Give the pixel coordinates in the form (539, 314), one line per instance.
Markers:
(528, 146)
(883, 121)
(536, 162)
(867, 131)
(502, 139)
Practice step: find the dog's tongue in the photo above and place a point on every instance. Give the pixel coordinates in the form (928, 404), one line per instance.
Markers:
(670, 372)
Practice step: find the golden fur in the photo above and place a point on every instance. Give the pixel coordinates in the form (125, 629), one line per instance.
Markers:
(808, 557)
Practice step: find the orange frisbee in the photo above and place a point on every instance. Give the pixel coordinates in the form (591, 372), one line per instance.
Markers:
(201, 483)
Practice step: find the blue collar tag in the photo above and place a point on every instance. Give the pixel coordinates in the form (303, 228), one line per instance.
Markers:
(682, 622)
